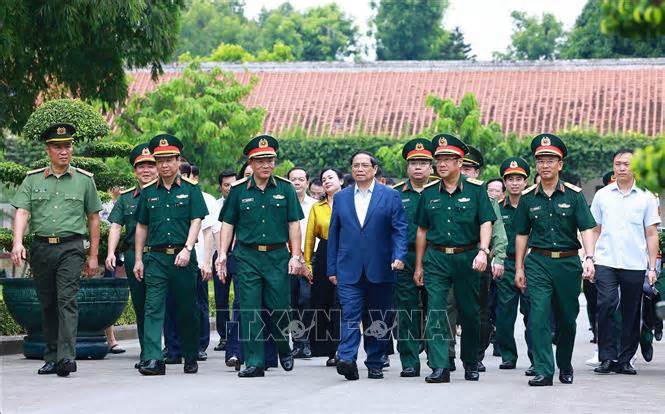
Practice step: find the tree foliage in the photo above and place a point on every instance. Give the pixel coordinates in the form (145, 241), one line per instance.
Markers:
(90, 124)
(534, 38)
(634, 17)
(204, 110)
(236, 53)
(80, 48)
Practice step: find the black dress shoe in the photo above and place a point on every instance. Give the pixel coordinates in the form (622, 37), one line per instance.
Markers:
(540, 381)
(251, 372)
(386, 361)
(153, 367)
(221, 346)
(507, 365)
(606, 367)
(481, 367)
(438, 375)
(471, 372)
(233, 362)
(348, 369)
(139, 364)
(286, 361)
(306, 351)
(331, 362)
(530, 372)
(191, 366)
(451, 364)
(658, 335)
(647, 351)
(297, 352)
(202, 356)
(410, 372)
(173, 360)
(625, 368)
(65, 367)
(374, 373)
(49, 367)
(566, 377)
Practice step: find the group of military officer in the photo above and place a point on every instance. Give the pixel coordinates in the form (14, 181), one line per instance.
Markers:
(458, 240)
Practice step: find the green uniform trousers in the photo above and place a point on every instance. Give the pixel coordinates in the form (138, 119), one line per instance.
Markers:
(137, 290)
(161, 277)
(263, 279)
(485, 327)
(410, 314)
(57, 271)
(509, 298)
(554, 286)
(443, 271)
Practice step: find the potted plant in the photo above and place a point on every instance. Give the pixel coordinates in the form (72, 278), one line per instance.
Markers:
(101, 301)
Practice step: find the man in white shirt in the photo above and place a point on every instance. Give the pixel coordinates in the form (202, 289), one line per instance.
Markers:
(626, 250)
(300, 288)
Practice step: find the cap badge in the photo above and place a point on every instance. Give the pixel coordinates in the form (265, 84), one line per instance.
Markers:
(513, 164)
(61, 131)
(263, 143)
(146, 151)
(420, 146)
(163, 142)
(545, 142)
(443, 142)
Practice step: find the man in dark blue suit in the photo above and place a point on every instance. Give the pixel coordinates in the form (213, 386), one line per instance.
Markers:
(367, 242)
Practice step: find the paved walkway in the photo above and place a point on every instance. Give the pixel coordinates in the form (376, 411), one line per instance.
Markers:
(113, 386)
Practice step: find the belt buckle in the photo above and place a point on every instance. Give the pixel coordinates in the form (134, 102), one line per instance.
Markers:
(556, 255)
(53, 240)
(170, 250)
(262, 248)
(450, 250)
(146, 249)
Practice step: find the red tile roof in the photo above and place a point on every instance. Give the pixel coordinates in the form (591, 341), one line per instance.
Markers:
(388, 98)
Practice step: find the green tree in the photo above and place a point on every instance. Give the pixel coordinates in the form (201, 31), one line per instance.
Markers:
(586, 41)
(208, 23)
(235, 53)
(642, 17)
(281, 25)
(455, 47)
(83, 47)
(533, 38)
(408, 29)
(204, 110)
(328, 33)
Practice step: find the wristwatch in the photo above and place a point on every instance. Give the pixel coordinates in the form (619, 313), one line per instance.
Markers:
(189, 248)
(593, 260)
(298, 258)
(486, 250)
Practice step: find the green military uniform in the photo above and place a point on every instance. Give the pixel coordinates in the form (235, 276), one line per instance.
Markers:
(168, 213)
(58, 206)
(553, 269)
(261, 222)
(453, 225)
(409, 298)
(123, 213)
(509, 297)
(609, 178)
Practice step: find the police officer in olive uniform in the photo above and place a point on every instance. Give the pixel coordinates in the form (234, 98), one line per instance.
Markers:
(168, 216)
(515, 171)
(547, 219)
(264, 212)
(409, 298)
(123, 214)
(57, 201)
(454, 218)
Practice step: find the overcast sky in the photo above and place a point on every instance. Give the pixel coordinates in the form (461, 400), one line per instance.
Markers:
(486, 24)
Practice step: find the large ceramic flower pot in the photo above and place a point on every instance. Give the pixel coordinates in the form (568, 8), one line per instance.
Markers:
(100, 304)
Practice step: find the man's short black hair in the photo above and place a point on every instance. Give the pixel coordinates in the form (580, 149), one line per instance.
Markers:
(315, 181)
(185, 168)
(194, 170)
(369, 154)
(241, 173)
(498, 180)
(622, 151)
(224, 174)
(296, 168)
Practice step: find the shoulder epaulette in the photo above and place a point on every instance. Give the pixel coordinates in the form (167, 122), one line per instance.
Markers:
(35, 171)
(151, 183)
(128, 190)
(240, 181)
(528, 190)
(189, 180)
(572, 187)
(474, 181)
(84, 172)
(437, 181)
(394, 187)
(283, 179)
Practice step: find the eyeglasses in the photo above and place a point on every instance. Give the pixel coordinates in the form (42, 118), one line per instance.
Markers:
(546, 162)
(361, 166)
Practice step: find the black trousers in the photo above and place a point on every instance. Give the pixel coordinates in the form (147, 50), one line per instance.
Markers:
(608, 282)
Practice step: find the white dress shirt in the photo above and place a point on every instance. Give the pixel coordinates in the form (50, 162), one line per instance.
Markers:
(306, 206)
(361, 201)
(623, 220)
(210, 221)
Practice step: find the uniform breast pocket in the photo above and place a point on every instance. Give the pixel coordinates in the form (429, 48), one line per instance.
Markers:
(565, 216)
(182, 208)
(248, 211)
(156, 210)
(465, 212)
(73, 203)
(278, 208)
(39, 198)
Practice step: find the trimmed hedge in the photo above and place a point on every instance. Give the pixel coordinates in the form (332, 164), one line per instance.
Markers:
(90, 124)
(105, 177)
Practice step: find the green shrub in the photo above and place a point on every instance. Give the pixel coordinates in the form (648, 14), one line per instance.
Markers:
(108, 149)
(90, 124)
(7, 325)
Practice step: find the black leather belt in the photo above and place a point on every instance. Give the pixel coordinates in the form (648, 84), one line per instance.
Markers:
(170, 250)
(452, 250)
(265, 247)
(553, 254)
(58, 240)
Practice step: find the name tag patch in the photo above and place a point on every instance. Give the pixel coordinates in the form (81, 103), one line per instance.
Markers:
(153, 199)
(182, 196)
(536, 208)
(247, 200)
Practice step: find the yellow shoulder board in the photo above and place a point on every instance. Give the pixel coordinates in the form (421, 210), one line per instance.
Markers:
(474, 181)
(283, 179)
(84, 172)
(572, 187)
(394, 187)
(528, 190)
(35, 171)
(240, 181)
(151, 183)
(432, 183)
(189, 180)
(128, 190)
